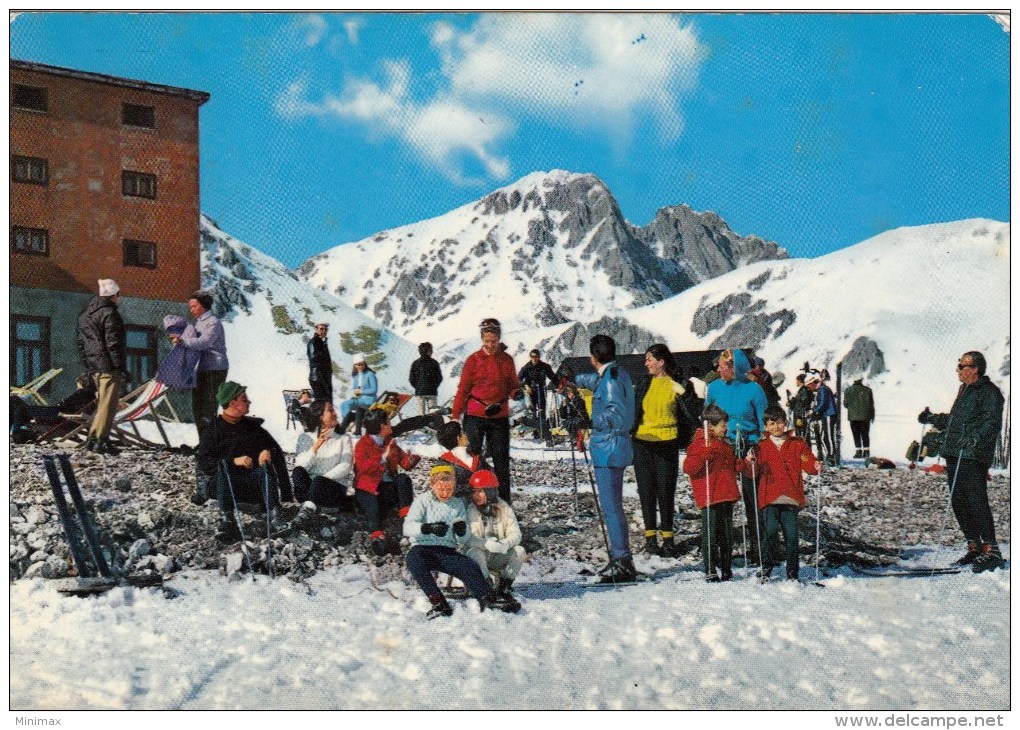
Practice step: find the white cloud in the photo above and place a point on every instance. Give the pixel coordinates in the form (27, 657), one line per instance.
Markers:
(575, 67)
(312, 29)
(352, 28)
(585, 70)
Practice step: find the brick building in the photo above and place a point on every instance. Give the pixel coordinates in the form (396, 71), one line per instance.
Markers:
(104, 184)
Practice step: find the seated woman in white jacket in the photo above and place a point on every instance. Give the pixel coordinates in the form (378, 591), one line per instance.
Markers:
(323, 474)
(495, 536)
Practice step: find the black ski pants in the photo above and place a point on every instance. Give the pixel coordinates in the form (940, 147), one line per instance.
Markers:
(862, 434)
(320, 490)
(397, 494)
(495, 431)
(969, 481)
(717, 538)
(656, 468)
(247, 486)
(781, 517)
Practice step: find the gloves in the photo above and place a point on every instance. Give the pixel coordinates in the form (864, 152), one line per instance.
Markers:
(925, 415)
(434, 528)
(799, 423)
(459, 528)
(495, 546)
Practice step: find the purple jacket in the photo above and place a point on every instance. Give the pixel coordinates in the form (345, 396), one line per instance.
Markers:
(178, 369)
(207, 338)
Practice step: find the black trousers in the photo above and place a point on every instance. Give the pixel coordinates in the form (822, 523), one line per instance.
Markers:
(322, 390)
(203, 397)
(862, 434)
(717, 537)
(248, 486)
(397, 494)
(781, 517)
(656, 468)
(970, 499)
(496, 431)
(320, 490)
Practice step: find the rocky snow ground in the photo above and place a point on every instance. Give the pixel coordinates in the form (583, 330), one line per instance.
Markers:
(342, 629)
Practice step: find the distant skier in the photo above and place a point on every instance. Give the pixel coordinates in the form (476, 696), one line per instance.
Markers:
(320, 364)
(860, 411)
(535, 376)
(823, 417)
(425, 377)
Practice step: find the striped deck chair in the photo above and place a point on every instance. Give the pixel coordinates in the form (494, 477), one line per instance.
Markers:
(32, 387)
(148, 400)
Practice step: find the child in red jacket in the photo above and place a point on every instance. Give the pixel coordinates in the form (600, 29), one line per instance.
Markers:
(712, 467)
(781, 458)
(378, 487)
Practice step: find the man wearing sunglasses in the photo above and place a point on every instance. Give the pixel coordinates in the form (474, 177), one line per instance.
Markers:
(970, 430)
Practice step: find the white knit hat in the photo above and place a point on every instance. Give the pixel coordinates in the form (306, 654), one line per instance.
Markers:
(358, 357)
(108, 288)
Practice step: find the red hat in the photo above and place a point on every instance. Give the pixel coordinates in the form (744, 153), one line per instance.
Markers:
(484, 479)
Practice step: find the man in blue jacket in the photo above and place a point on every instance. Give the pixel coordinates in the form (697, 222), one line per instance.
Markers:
(612, 417)
(744, 402)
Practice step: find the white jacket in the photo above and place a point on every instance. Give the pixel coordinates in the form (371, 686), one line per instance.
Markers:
(334, 459)
(501, 526)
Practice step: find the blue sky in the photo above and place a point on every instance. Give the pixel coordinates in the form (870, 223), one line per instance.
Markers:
(816, 131)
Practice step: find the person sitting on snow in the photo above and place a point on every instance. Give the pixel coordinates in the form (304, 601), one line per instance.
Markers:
(495, 540)
(378, 486)
(239, 455)
(323, 473)
(436, 525)
(452, 437)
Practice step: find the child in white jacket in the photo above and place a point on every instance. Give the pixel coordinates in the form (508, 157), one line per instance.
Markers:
(495, 535)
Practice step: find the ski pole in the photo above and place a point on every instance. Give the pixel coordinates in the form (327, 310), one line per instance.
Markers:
(709, 569)
(573, 466)
(595, 496)
(949, 504)
(743, 506)
(269, 521)
(818, 523)
(910, 493)
(237, 519)
(754, 493)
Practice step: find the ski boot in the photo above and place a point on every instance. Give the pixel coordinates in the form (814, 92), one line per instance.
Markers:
(669, 548)
(972, 554)
(989, 559)
(652, 546)
(439, 607)
(620, 570)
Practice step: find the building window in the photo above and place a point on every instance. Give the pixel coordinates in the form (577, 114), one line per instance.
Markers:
(30, 97)
(30, 240)
(30, 170)
(138, 184)
(30, 348)
(141, 353)
(138, 115)
(139, 253)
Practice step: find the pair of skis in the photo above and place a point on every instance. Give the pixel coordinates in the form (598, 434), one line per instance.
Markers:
(94, 573)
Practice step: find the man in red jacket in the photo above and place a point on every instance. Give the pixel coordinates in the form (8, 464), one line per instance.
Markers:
(487, 382)
(781, 458)
(378, 487)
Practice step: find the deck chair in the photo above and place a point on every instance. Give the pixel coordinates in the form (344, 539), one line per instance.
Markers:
(32, 387)
(148, 401)
(289, 396)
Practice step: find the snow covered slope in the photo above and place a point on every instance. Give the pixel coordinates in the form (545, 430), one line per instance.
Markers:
(268, 316)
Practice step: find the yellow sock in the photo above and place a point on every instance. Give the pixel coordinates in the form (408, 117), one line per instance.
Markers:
(649, 533)
(666, 535)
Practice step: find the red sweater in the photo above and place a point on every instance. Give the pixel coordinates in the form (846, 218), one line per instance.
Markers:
(779, 469)
(486, 379)
(721, 480)
(368, 463)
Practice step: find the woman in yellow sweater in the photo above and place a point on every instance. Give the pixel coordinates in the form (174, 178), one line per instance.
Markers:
(657, 447)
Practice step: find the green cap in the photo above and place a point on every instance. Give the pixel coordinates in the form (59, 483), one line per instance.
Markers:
(227, 392)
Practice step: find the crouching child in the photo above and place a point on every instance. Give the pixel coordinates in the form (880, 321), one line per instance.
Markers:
(712, 466)
(436, 525)
(782, 459)
(494, 541)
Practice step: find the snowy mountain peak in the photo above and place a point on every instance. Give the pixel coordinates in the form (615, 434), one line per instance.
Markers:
(551, 248)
